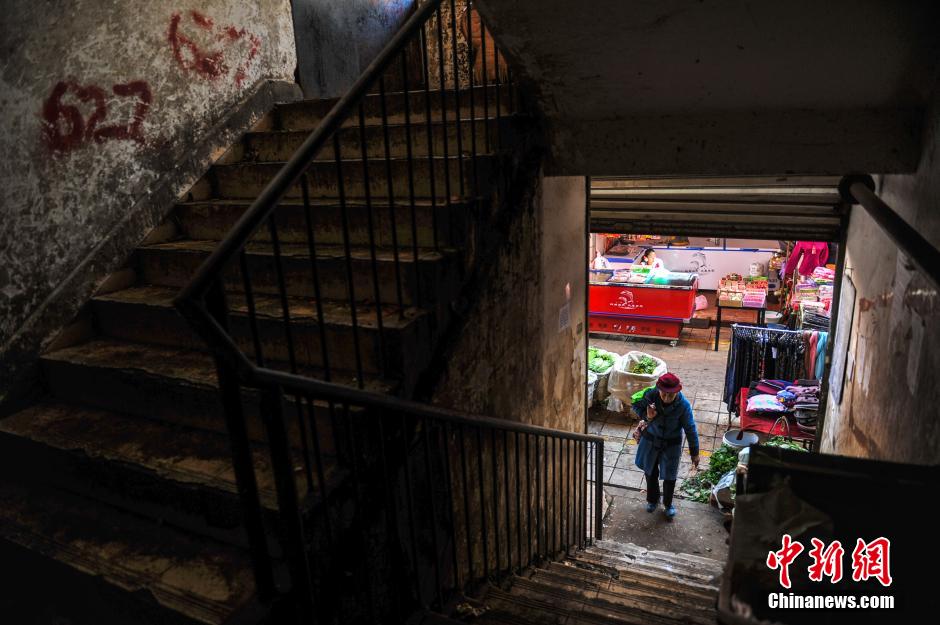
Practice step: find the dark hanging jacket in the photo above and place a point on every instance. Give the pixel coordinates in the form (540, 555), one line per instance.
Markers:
(663, 435)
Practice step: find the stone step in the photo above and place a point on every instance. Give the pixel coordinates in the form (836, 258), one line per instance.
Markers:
(174, 263)
(654, 584)
(214, 219)
(688, 561)
(281, 145)
(174, 385)
(181, 475)
(145, 314)
(672, 562)
(623, 570)
(603, 606)
(307, 114)
(74, 560)
(614, 596)
(248, 180)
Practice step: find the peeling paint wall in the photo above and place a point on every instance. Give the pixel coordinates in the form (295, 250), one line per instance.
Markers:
(891, 398)
(102, 104)
(337, 39)
(521, 353)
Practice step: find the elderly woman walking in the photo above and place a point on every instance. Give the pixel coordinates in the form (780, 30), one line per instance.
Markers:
(664, 415)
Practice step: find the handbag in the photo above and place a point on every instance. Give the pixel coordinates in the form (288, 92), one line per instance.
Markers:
(640, 428)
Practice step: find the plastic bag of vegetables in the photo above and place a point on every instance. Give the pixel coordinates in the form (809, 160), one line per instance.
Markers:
(632, 372)
(600, 361)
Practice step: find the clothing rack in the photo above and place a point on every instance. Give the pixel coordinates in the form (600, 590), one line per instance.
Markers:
(757, 352)
(750, 327)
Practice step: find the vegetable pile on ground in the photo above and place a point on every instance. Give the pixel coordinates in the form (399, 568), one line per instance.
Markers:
(600, 361)
(644, 365)
(700, 485)
(780, 441)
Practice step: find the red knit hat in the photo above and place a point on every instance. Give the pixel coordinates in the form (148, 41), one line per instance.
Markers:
(669, 383)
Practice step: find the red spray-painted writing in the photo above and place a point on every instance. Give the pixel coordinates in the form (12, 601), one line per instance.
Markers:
(66, 128)
(212, 59)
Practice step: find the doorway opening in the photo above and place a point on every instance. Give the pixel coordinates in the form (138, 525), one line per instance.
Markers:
(732, 286)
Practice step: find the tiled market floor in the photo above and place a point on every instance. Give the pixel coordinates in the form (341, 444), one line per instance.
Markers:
(702, 372)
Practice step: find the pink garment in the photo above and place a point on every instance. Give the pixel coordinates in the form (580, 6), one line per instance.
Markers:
(813, 253)
(813, 340)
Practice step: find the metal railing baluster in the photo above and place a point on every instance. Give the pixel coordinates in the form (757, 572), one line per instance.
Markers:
(430, 488)
(453, 31)
(390, 190)
(483, 515)
(418, 297)
(495, 496)
(443, 90)
(370, 225)
(466, 500)
(250, 304)
(315, 275)
(425, 67)
(473, 115)
(347, 254)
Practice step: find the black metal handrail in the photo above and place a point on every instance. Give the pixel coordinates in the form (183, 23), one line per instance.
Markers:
(439, 462)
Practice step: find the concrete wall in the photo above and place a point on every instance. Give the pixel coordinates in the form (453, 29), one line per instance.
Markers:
(723, 87)
(891, 399)
(110, 114)
(518, 358)
(337, 39)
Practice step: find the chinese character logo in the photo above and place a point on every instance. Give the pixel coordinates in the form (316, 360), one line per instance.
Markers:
(869, 560)
(783, 558)
(826, 562)
(872, 560)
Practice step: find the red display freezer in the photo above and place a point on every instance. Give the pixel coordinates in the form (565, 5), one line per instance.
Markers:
(656, 308)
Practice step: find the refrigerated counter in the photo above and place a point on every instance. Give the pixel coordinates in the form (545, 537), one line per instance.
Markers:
(652, 304)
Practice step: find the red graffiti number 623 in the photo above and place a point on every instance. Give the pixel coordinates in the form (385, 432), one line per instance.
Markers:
(66, 128)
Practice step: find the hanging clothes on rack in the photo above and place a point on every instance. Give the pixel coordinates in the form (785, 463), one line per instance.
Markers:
(762, 353)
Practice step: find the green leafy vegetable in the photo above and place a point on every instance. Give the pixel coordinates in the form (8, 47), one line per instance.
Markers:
(700, 485)
(644, 365)
(780, 441)
(600, 361)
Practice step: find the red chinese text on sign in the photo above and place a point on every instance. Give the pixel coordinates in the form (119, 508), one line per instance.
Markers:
(826, 561)
(783, 558)
(872, 560)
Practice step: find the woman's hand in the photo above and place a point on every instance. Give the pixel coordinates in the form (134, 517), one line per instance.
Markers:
(639, 430)
(650, 412)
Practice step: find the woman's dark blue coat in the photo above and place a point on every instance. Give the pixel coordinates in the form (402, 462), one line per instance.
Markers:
(664, 434)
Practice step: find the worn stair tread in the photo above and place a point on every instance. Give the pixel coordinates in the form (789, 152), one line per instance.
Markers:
(703, 561)
(625, 570)
(355, 163)
(172, 452)
(183, 365)
(196, 577)
(301, 309)
(593, 577)
(616, 596)
(301, 250)
(606, 605)
(418, 122)
(666, 560)
(378, 203)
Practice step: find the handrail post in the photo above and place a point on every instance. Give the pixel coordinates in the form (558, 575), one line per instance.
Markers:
(598, 489)
(240, 449)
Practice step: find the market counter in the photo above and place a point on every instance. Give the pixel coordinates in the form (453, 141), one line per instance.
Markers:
(656, 308)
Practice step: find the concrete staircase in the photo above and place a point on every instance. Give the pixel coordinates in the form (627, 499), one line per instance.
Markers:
(118, 501)
(604, 584)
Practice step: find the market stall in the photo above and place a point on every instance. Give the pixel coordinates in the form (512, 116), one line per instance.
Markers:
(641, 302)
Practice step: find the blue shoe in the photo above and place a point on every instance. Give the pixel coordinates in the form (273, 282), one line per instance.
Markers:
(670, 512)
(650, 507)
